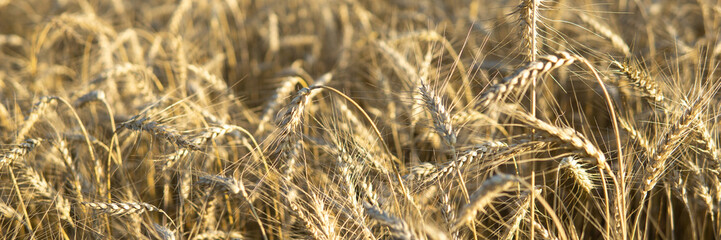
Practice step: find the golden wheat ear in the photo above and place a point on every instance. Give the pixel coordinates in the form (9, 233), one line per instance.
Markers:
(522, 77)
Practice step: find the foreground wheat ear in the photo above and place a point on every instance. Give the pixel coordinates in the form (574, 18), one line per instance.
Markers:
(360, 119)
(522, 77)
(120, 209)
(489, 190)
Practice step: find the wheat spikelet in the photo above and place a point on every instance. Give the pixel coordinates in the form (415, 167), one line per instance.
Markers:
(12, 155)
(641, 81)
(290, 118)
(578, 173)
(568, 135)
(211, 133)
(216, 83)
(702, 190)
(276, 100)
(5, 119)
(399, 229)
(177, 17)
(636, 135)
(229, 184)
(540, 229)
(521, 209)
(121, 209)
(96, 95)
(9, 212)
(46, 191)
(310, 226)
(404, 68)
(529, 18)
(89, 22)
(520, 79)
(350, 186)
(708, 145)
(489, 190)
(163, 232)
(62, 147)
(155, 128)
(120, 70)
(219, 235)
(441, 117)
(668, 144)
(427, 172)
(448, 212)
(38, 110)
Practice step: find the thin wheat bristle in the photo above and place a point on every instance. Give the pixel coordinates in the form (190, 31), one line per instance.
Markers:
(218, 235)
(603, 29)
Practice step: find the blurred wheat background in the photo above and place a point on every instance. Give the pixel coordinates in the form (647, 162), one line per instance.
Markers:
(360, 119)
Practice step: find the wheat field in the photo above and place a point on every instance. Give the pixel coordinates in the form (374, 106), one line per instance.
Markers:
(360, 119)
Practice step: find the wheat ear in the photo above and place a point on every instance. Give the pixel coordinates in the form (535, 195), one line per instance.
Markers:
(668, 144)
(398, 227)
(160, 130)
(577, 172)
(489, 190)
(566, 134)
(9, 157)
(641, 81)
(520, 79)
(121, 209)
(439, 114)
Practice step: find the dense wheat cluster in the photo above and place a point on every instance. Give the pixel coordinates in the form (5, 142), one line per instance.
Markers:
(360, 119)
